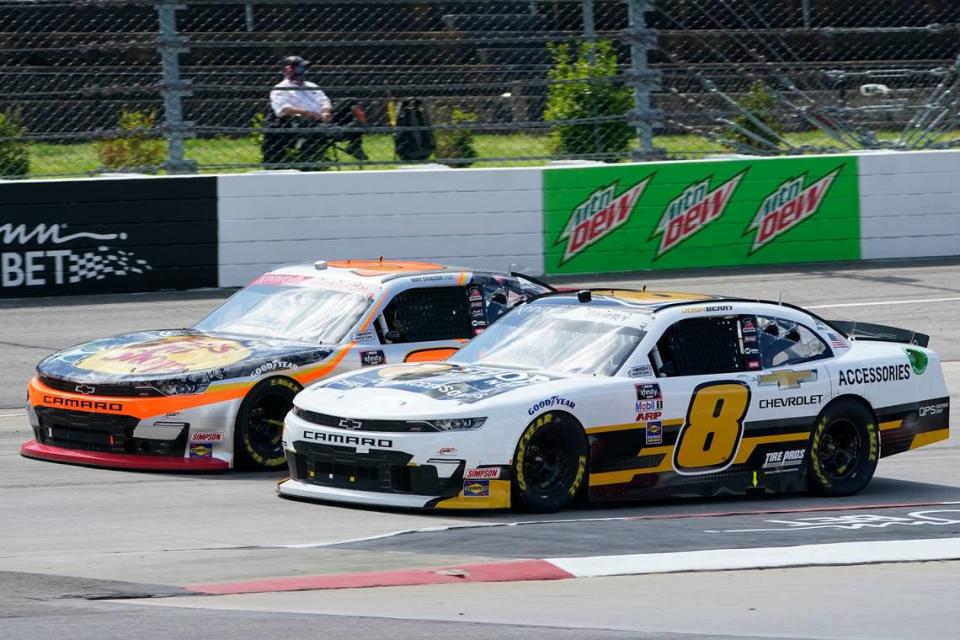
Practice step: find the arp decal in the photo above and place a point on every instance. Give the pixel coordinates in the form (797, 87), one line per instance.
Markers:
(599, 215)
(178, 354)
(790, 204)
(695, 208)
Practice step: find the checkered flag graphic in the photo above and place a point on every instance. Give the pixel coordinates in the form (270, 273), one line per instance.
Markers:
(97, 265)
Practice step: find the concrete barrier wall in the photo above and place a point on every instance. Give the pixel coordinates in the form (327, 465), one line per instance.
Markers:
(910, 204)
(144, 234)
(484, 218)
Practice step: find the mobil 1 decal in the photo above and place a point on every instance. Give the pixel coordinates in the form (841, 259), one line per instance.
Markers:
(701, 214)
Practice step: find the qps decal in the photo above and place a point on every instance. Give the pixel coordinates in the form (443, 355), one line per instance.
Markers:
(107, 235)
(790, 204)
(712, 213)
(600, 214)
(691, 211)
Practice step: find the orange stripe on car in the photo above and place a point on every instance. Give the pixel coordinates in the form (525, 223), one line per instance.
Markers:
(43, 396)
(325, 367)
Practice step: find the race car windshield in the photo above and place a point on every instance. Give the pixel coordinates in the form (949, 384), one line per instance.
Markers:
(592, 341)
(299, 313)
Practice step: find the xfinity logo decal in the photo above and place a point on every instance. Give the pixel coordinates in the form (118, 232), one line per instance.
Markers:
(599, 215)
(789, 205)
(693, 210)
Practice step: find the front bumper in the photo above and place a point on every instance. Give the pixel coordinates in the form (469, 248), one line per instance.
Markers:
(177, 433)
(392, 469)
(34, 449)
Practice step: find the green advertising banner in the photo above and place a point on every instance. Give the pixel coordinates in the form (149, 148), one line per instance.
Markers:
(675, 215)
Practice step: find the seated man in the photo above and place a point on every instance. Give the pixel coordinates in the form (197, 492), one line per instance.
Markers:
(301, 105)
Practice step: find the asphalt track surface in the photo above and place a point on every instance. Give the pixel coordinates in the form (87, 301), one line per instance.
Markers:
(79, 546)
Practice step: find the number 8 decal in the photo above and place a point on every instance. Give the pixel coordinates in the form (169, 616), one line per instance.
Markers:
(711, 433)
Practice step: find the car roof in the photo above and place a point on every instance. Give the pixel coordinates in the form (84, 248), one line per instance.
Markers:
(369, 272)
(642, 299)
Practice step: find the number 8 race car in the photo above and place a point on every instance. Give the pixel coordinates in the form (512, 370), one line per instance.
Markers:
(215, 395)
(622, 394)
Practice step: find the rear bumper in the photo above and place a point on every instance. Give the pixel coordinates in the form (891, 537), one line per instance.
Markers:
(34, 449)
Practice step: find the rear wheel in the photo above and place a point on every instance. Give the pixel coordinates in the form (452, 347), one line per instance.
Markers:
(844, 450)
(550, 464)
(259, 429)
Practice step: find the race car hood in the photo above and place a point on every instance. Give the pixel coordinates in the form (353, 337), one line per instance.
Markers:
(418, 390)
(179, 354)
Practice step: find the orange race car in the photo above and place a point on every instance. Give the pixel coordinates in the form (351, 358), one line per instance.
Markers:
(214, 396)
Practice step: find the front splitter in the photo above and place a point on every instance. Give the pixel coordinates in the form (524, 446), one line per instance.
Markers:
(34, 449)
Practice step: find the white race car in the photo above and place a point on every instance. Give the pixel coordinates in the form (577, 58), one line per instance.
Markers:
(622, 394)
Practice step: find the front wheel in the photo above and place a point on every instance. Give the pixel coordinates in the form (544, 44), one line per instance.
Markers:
(550, 464)
(259, 429)
(844, 449)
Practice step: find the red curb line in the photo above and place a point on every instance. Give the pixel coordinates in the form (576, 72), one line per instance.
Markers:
(510, 571)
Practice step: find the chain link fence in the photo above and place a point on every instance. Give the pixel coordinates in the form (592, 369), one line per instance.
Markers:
(89, 87)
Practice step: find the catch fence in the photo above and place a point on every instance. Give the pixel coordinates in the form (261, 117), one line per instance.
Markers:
(89, 87)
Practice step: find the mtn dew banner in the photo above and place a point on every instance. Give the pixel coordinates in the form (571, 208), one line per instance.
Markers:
(701, 214)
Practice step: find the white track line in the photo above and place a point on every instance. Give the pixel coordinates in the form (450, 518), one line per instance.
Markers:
(842, 553)
(880, 303)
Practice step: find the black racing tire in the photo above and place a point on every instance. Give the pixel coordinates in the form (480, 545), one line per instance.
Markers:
(257, 435)
(844, 449)
(549, 464)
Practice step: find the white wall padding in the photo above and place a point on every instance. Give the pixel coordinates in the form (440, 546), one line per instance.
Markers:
(479, 218)
(910, 204)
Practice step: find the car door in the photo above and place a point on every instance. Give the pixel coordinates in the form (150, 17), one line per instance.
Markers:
(424, 323)
(794, 385)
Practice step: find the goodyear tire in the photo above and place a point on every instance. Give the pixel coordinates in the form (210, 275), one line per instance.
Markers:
(844, 449)
(550, 464)
(259, 429)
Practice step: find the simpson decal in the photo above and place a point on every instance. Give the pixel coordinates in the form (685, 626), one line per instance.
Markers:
(695, 208)
(789, 205)
(598, 216)
(486, 473)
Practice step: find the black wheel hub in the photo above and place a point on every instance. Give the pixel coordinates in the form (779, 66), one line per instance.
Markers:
(839, 449)
(265, 426)
(546, 461)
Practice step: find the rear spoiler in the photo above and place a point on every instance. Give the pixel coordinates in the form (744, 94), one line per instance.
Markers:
(867, 331)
